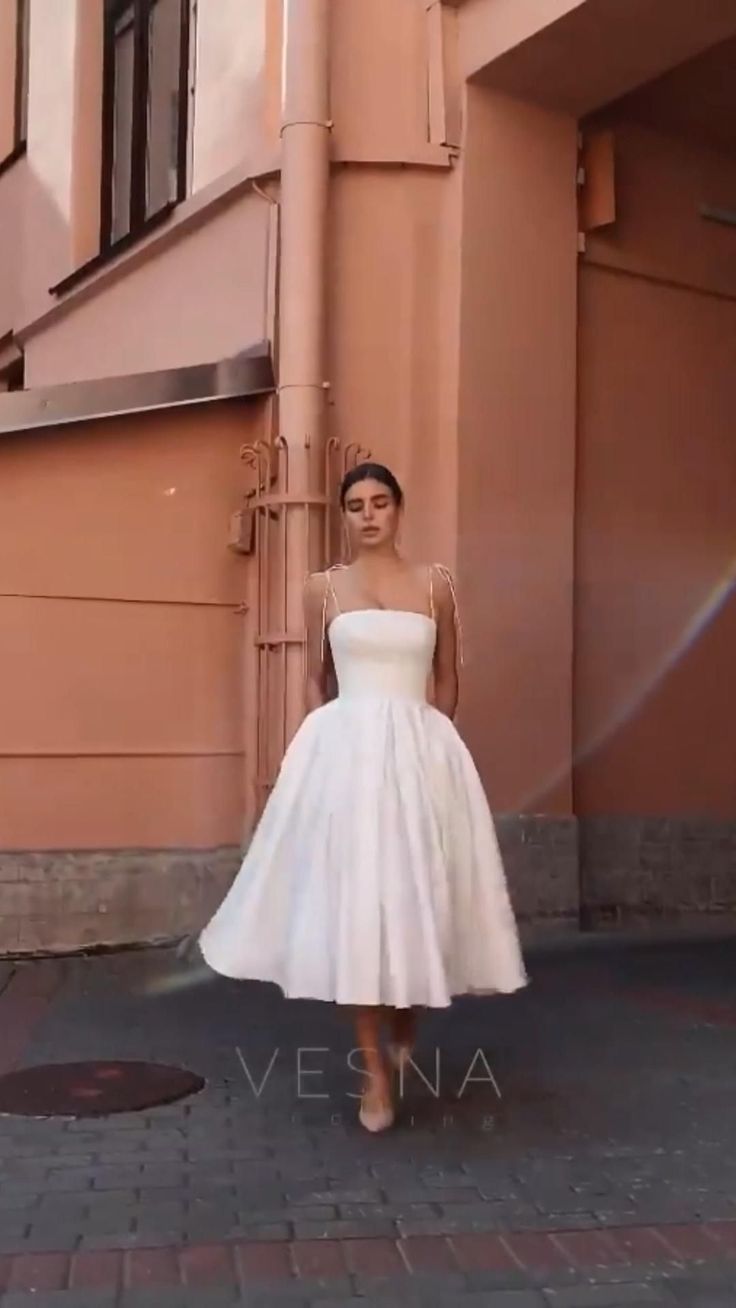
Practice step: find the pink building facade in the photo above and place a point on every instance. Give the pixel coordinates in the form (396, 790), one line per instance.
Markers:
(242, 241)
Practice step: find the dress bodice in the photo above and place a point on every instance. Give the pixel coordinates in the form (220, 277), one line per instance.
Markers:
(382, 653)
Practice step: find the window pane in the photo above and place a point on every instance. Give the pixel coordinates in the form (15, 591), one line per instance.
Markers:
(163, 104)
(21, 71)
(123, 125)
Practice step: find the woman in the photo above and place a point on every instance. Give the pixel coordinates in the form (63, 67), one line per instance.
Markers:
(374, 878)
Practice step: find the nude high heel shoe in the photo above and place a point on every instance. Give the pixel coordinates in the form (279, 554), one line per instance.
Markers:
(376, 1119)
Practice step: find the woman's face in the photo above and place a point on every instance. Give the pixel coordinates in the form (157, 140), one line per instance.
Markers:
(371, 516)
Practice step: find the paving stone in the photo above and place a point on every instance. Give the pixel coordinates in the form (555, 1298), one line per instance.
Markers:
(13, 1224)
(506, 1279)
(421, 1193)
(387, 1212)
(710, 1299)
(696, 1292)
(317, 1214)
(625, 1273)
(507, 1299)
(216, 1297)
(22, 1189)
(60, 1299)
(19, 1202)
(132, 1240)
(444, 1298)
(155, 1216)
(257, 1231)
(309, 1198)
(427, 1254)
(421, 1286)
(610, 1296)
(450, 1222)
(90, 1271)
(72, 1179)
(108, 1201)
(361, 1228)
(42, 1239)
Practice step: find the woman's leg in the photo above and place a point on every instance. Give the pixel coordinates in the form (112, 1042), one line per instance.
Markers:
(376, 1109)
(403, 1027)
(402, 1034)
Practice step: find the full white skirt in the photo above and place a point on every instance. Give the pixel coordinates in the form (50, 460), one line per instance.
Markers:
(374, 876)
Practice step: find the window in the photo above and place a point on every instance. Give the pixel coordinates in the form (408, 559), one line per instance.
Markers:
(145, 95)
(14, 91)
(22, 16)
(15, 376)
(12, 365)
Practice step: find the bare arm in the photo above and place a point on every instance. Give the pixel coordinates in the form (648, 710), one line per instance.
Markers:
(320, 681)
(446, 651)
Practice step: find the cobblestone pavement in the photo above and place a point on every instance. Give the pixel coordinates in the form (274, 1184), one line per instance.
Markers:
(581, 1152)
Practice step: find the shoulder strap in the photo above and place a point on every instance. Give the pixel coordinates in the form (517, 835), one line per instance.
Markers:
(328, 595)
(442, 571)
(330, 590)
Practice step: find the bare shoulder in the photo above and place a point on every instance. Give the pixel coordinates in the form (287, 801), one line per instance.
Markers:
(318, 585)
(443, 585)
(315, 590)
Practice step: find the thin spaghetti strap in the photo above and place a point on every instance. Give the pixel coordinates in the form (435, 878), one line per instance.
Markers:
(329, 594)
(448, 578)
(326, 591)
(431, 592)
(323, 636)
(331, 590)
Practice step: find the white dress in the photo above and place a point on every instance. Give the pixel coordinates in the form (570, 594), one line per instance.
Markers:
(374, 876)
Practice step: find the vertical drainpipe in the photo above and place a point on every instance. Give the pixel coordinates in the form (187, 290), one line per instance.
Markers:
(302, 392)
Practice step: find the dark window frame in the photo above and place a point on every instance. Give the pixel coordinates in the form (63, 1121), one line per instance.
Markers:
(15, 376)
(22, 53)
(20, 87)
(139, 222)
(12, 370)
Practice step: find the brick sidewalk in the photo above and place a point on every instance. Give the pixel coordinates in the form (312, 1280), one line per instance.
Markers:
(605, 1174)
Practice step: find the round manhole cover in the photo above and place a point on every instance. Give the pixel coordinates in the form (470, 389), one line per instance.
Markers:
(93, 1089)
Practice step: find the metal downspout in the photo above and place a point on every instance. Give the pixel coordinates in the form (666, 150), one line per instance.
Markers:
(291, 504)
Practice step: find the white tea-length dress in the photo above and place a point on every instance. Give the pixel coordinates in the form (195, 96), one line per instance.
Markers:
(374, 875)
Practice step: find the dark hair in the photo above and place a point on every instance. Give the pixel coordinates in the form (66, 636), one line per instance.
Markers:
(371, 472)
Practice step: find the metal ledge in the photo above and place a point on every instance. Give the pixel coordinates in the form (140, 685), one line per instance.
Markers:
(249, 373)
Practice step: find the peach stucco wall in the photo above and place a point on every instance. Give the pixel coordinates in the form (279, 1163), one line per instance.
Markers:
(382, 44)
(204, 293)
(238, 74)
(490, 28)
(656, 618)
(11, 198)
(661, 181)
(576, 55)
(125, 671)
(516, 444)
(393, 279)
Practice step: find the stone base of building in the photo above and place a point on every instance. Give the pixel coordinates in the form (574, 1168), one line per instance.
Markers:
(62, 901)
(540, 855)
(643, 869)
(562, 872)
